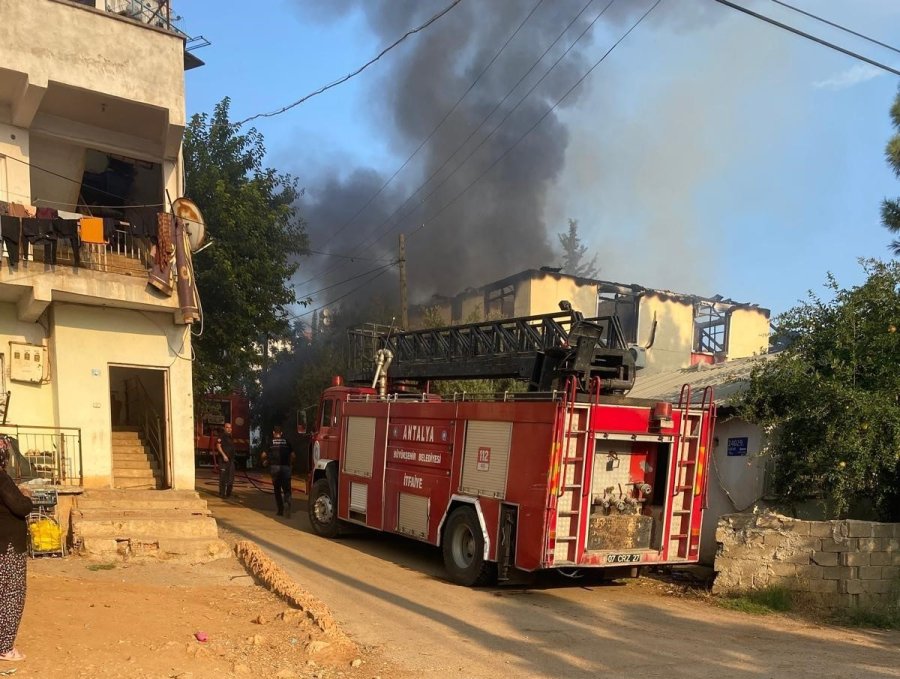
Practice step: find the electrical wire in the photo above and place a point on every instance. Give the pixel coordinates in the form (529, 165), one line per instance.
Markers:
(337, 299)
(347, 77)
(837, 26)
(539, 120)
(809, 36)
(78, 183)
(481, 124)
(28, 200)
(352, 278)
(439, 125)
(350, 257)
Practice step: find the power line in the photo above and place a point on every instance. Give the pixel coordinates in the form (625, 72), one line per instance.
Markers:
(438, 126)
(337, 299)
(491, 133)
(541, 119)
(809, 36)
(352, 278)
(362, 68)
(352, 258)
(837, 26)
(75, 181)
(480, 125)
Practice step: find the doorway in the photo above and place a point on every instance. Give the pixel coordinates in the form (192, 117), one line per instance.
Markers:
(139, 403)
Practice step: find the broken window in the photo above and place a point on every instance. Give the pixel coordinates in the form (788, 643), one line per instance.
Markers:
(710, 324)
(500, 302)
(622, 306)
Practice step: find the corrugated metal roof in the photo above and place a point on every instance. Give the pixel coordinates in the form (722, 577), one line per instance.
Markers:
(727, 379)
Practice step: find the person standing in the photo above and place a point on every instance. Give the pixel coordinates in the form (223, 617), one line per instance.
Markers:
(14, 508)
(280, 456)
(225, 450)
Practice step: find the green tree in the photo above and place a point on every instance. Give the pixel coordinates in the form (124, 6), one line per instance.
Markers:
(244, 277)
(890, 209)
(574, 252)
(831, 399)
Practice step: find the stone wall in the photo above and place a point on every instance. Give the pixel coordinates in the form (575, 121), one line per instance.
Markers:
(829, 563)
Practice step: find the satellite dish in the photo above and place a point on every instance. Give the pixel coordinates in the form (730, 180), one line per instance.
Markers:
(186, 210)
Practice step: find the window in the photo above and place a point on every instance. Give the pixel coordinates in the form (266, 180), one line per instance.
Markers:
(500, 302)
(709, 328)
(327, 406)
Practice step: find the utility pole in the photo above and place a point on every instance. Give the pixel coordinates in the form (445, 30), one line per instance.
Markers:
(404, 307)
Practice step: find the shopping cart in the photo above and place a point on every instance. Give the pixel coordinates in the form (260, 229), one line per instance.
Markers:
(45, 537)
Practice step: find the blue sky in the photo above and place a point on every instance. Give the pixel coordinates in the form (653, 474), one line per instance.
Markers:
(714, 155)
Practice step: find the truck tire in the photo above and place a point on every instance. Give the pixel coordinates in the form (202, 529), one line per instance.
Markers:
(463, 549)
(323, 509)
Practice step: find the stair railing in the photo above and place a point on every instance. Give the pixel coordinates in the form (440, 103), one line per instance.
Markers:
(140, 412)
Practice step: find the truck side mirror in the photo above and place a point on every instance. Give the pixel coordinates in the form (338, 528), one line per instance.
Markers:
(301, 421)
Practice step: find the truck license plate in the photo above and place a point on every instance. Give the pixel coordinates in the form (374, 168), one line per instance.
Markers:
(623, 558)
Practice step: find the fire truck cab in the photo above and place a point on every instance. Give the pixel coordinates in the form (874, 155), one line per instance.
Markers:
(568, 475)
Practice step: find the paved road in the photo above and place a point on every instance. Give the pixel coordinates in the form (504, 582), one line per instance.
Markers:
(388, 592)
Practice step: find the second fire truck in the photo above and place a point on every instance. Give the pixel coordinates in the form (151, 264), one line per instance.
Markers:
(570, 474)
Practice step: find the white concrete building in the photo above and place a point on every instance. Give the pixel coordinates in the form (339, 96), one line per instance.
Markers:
(92, 113)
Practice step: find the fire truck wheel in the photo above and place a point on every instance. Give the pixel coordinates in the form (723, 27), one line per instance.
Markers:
(323, 510)
(463, 548)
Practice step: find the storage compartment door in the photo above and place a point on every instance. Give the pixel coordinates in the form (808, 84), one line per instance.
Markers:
(360, 446)
(486, 459)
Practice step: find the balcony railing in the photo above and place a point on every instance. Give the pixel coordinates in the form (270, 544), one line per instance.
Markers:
(151, 12)
(123, 254)
(39, 452)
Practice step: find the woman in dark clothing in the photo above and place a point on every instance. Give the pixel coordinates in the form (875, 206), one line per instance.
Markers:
(14, 507)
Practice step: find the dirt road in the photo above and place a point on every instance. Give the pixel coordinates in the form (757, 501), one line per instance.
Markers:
(389, 593)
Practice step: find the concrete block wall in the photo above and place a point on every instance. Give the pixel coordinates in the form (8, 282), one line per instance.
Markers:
(829, 563)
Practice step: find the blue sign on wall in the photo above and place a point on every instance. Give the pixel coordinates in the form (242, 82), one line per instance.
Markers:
(737, 446)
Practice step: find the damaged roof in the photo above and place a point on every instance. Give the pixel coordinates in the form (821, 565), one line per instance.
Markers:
(727, 379)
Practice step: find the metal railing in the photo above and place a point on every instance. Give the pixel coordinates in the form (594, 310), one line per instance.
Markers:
(42, 452)
(124, 253)
(140, 412)
(151, 12)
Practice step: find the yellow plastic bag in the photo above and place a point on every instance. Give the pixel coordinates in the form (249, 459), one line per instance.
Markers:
(45, 535)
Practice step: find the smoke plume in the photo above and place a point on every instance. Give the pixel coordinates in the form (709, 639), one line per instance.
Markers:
(467, 227)
(496, 227)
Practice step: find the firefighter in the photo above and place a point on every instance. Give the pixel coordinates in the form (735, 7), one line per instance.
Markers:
(280, 457)
(225, 451)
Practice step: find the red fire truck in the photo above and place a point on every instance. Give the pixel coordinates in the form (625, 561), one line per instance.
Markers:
(214, 411)
(570, 474)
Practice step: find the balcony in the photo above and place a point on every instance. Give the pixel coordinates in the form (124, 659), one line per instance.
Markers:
(114, 274)
(125, 254)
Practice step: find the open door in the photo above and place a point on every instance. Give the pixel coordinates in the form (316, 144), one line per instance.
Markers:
(139, 418)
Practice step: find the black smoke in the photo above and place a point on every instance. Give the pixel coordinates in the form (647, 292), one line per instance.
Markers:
(468, 225)
(460, 233)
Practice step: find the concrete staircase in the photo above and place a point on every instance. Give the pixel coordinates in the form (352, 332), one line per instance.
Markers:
(156, 524)
(133, 465)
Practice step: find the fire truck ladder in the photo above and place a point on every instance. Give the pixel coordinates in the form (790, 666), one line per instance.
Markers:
(574, 458)
(545, 350)
(684, 539)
